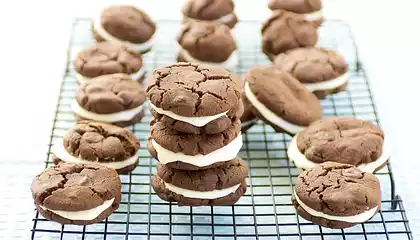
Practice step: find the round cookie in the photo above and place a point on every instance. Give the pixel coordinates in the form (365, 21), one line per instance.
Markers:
(125, 25)
(343, 140)
(98, 143)
(335, 195)
(207, 43)
(223, 185)
(76, 193)
(322, 71)
(281, 100)
(287, 30)
(113, 98)
(194, 94)
(220, 11)
(193, 151)
(248, 118)
(108, 58)
(310, 9)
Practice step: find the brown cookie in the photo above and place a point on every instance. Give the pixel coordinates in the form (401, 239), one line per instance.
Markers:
(312, 66)
(310, 9)
(100, 143)
(111, 98)
(202, 187)
(211, 10)
(334, 195)
(281, 100)
(248, 118)
(193, 90)
(207, 41)
(126, 23)
(107, 58)
(61, 191)
(287, 30)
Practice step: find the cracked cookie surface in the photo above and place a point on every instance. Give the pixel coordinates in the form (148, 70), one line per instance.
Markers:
(297, 6)
(192, 144)
(207, 41)
(193, 90)
(110, 94)
(128, 23)
(287, 30)
(107, 58)
(341, 139)
(76, 187)
(100, 142)
(207, 9)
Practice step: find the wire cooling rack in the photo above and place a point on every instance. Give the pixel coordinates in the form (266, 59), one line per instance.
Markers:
(266, 211)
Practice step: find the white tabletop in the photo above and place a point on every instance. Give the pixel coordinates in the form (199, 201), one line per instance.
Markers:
(33, 50)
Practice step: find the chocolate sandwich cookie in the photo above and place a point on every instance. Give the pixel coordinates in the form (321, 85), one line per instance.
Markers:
(322, 71)
(98, 143)
(220, 11)
(287, 30)
(76, 193)
(194, 94)
(342, 140)
(335, 195)
(310, 9)
(108, 58)
(125, 25)
(281, 100)
(194, 151)
(223, 185)
(207, 43)
(113, 98)
(248, 118)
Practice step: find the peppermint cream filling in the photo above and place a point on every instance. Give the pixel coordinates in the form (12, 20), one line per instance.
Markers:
(59, 151)
(358, 218)
(201, 195)
(269, 115)
(301, 161)
(196, 121)
(229, 63)
(313, 16)
(327, 85)
(125, 115)
(226, 153)
(135, 76)
(84, 215)
(108, 37)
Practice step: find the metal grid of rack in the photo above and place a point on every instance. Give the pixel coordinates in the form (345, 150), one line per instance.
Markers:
(265, 212)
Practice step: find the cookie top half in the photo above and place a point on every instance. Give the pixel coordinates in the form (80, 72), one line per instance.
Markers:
(338, 189)
(107, 58)
(207, 9)
(312, 64)
(297, 6)
(193, 90)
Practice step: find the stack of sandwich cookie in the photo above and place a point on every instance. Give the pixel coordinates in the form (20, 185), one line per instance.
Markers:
(196, 125)
(342, 140)
(219, 11)
(98, 143)
(112, 98)
(281, 100)
(79, 194)
(310, 9)
(108, 58)
(335, 195)
(125, 25)
(207, 43)
(322, 71)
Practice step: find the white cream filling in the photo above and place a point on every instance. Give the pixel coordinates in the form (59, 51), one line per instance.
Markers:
(226, 153)
(313, 16)
(142, 47)
(196, 121)
(59, 151)
(302, 162)
(84, 215)
(202, 195)
(82, 79)
(230, 63)
(223, 19)
(327, 85)
(269, 115)
(125, 115)
(359, 218)
(247, 123)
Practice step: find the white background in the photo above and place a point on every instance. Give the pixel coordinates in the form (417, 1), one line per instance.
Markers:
(33, 40)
